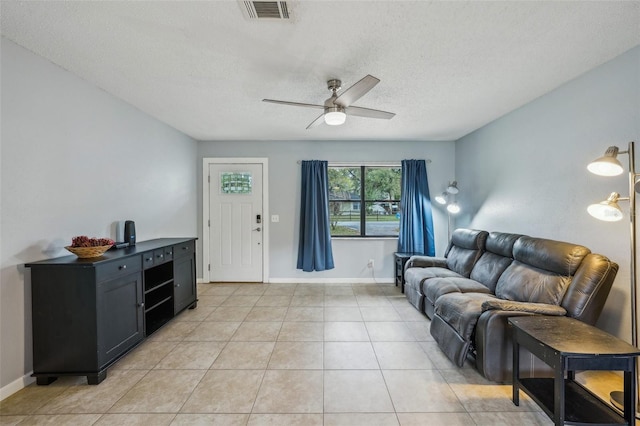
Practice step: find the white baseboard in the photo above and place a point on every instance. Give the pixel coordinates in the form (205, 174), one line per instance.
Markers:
(16, 385)
(323, 281)
(332, 280)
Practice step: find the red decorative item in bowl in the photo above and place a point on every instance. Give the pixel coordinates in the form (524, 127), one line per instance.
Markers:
(85, 247)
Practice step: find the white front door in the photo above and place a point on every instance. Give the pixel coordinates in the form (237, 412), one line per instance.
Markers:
(236, 222)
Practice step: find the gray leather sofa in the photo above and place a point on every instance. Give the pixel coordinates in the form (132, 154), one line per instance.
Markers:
(486, 277)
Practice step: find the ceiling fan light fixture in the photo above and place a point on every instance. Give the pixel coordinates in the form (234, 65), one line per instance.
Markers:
(335, 116)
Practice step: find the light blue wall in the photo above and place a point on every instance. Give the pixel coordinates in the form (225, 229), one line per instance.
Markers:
(350, 256)
(526, 172)
(75, 160)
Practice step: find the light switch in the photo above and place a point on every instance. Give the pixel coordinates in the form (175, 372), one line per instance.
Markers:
(275, 218)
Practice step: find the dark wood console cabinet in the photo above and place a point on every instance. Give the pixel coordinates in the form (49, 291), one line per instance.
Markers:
(88, 313)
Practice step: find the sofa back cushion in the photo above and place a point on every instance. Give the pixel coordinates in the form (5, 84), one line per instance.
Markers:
(541, 271)
(465, 248)
(495, 259)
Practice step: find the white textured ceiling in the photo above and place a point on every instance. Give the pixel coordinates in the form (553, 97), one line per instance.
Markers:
(446, 67)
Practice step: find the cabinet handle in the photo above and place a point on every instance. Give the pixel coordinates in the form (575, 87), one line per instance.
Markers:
(185, 248)
(149, 259)
(160, 256)
(177, 285)
(141, 305)
(122, 267)
(169, 253)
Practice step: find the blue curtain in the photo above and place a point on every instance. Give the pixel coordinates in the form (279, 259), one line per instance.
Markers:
(416, 220)
(314, 247)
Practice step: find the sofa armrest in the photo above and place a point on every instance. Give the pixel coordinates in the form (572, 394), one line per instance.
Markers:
(529, 307)
(426, 262)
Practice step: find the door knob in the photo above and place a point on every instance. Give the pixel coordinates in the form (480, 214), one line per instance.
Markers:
(257, 229)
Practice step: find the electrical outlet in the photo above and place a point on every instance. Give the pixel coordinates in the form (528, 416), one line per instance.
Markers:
(370, 263)
(275, 218)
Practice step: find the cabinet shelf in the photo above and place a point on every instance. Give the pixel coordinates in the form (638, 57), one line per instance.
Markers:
(581, 406)
(158, 315)
(157, 276)
(158, 286)
(154, 306)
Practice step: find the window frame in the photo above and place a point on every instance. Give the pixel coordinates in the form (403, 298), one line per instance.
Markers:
(362, 201)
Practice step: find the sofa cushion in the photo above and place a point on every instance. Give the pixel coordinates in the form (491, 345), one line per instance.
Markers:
(436, 287)
(554, 256)
(415, 276)
(525, 283)
(489, 268)
(454, 322)
(465, 248)
(461, 311)
(501, 243)
(541, 271)
(496, 258)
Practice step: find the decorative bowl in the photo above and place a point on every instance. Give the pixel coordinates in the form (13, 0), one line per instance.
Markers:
(88, 252)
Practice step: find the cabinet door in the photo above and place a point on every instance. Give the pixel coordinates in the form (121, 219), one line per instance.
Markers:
(120, 316)
(184, 282)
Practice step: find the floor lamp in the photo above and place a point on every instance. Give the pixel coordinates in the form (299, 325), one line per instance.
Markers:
(448, 198)
(610, 211)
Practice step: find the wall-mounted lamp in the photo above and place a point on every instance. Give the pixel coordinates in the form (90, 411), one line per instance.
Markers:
(609, 210)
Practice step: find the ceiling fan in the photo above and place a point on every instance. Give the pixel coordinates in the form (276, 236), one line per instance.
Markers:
(338, 106)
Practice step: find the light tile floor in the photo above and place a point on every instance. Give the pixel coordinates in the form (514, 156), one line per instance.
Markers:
(282, 354)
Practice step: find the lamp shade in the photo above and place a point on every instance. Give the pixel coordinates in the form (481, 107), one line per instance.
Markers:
(335, 116)
(607, 210)
(453, 208)
(607, 165)
(442, 198)
(453, 188)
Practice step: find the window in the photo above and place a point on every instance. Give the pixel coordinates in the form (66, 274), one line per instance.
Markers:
(235, 183)
(364, 201)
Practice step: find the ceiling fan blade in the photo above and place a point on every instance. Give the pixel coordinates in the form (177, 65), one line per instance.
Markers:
(356, 91)
(369, 113)
(273, 101)
(316, 122)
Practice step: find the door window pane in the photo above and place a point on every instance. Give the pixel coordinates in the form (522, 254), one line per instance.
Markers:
(235, 183)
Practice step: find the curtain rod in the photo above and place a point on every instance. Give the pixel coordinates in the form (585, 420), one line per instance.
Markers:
(368, 163)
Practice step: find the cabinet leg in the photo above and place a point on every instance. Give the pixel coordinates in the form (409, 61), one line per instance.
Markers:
(195, 305)
(95, 379)
(515, 373)
(45, 380)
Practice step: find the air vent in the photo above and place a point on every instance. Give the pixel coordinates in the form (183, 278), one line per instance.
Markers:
(267, 9)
